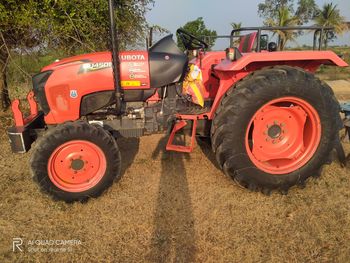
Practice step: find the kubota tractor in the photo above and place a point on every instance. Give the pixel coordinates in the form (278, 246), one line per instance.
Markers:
(272, 123)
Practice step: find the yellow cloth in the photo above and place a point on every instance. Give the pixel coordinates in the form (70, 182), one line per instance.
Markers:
(193, 85)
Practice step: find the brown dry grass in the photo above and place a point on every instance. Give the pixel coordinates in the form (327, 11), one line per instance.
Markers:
(171, 207)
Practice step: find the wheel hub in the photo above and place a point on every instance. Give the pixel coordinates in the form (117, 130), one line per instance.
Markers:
(274, 131)
(77, 164)
(284, 134)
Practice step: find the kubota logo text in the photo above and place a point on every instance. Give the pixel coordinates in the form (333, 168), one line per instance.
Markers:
(132, 57)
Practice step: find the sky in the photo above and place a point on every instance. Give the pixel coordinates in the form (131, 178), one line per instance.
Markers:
(218, 14)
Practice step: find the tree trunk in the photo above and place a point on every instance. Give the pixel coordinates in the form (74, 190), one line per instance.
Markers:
(281, 44)
(5, 101)
(326, 42)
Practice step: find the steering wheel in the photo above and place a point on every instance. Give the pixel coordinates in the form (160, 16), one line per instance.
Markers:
(191, 42)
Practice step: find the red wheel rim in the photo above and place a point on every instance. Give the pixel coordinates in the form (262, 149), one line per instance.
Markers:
(283, 135)
(76, 166)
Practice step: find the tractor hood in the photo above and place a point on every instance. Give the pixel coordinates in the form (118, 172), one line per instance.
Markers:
(163, 64)
(80, 59)
(134, 67)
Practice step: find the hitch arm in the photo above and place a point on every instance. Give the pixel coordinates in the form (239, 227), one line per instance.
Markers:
(345, 108)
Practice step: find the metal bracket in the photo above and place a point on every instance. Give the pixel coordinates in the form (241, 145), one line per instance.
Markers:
(179, 125)
(32, 103)
(345, 108)
(17, 113)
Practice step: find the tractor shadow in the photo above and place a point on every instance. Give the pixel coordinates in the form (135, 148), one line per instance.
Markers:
(173, 238)
(129, 148)
(204, 144)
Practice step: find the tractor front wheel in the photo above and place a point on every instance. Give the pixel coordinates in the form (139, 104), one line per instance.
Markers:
(275, 129)
(75, 161)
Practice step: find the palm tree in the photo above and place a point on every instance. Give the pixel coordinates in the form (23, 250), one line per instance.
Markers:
(236, 26)
(284, 19)
(329, 16)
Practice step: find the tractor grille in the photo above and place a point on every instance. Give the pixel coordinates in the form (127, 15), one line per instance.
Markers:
(39, 82)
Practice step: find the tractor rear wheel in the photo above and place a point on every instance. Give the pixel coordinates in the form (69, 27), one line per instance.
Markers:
(275, 129)
(75, 161)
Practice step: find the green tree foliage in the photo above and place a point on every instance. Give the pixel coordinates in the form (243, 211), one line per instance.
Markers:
(284, 19)
(329, 16)
(85, 22)
(269, 8)
(197, 28)
(236, 26)
(307, 10)
(285, 13)
(72, 25)
(15, 32)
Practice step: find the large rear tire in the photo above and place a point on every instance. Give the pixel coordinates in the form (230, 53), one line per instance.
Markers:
(275, 129)
(75, 161)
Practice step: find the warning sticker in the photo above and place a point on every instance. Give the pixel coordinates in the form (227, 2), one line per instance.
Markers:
(134, 70)
(130, 83)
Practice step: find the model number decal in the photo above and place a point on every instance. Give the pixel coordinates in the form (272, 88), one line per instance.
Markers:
(88, 67)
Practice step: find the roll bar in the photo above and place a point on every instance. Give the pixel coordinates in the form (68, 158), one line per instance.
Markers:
(317, 31)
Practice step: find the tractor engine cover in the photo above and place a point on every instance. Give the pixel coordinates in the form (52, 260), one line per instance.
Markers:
(80, 85)
(62, 87)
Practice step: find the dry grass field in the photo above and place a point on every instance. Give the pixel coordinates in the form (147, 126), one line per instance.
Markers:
(172, 207)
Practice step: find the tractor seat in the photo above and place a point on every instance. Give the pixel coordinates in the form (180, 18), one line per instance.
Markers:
(248, 43)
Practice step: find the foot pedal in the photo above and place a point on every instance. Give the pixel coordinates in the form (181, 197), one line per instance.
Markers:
(179, 125)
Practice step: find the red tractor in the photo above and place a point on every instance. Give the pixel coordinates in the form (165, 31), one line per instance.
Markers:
(272, 123)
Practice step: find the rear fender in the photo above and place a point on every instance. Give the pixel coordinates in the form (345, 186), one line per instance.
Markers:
(231, 72)
(310, 60)
(227, 80)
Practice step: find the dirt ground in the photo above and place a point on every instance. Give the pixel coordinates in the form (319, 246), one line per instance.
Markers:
(172, 207)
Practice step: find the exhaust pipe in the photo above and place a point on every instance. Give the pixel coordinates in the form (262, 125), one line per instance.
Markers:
(115, 56)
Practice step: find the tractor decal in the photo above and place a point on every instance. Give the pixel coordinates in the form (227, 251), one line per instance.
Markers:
(88, 67)
(132, 57)
(74, 94)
